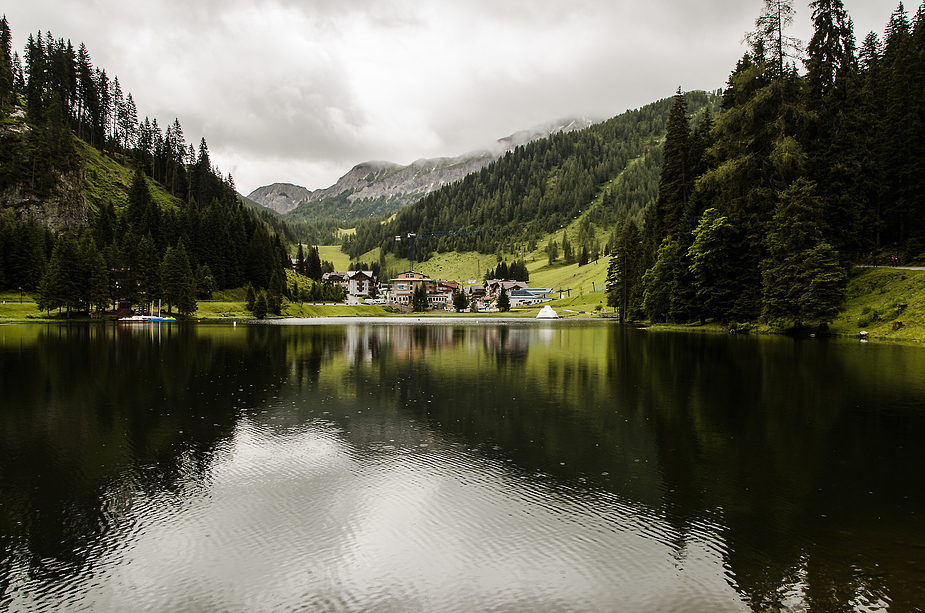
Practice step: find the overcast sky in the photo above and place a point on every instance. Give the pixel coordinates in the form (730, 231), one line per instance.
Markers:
(301, 91)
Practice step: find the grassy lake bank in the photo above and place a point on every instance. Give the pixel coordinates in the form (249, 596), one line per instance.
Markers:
(887, 303)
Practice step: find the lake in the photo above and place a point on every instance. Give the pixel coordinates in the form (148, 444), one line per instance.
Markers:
(457, 465)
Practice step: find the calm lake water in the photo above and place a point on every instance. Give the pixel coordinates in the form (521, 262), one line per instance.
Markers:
(464, 466)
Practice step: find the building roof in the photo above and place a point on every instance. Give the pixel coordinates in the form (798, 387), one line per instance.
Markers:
(411, 276)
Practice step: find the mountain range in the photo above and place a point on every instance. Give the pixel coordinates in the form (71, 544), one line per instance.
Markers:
(380, 188)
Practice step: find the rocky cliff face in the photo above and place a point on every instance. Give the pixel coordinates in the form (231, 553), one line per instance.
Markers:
(405, 184)
(281, 197)
(61, 207)
(63, 210)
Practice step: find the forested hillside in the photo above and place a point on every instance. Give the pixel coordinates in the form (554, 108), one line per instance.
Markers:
(539, 187)
(97, 206)
(801, 174)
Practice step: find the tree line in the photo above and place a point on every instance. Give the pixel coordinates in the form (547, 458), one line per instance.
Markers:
(201, 240)
(759, 216)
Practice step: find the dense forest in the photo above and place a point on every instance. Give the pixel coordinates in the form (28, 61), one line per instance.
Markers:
(196, 239)
(799, 175)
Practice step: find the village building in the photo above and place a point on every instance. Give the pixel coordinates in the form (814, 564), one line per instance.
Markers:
(354, 282)
(335, 278)
(402, 287)
(442, 296)
(361, 283)
(493, 287)
(523, 297)
(476, 292)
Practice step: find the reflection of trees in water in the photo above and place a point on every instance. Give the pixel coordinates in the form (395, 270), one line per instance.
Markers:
(769, 438)
(96, 415)
(775, 437)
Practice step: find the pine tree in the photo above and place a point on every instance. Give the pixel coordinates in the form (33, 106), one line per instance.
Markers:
(831, 50)
(313, 266)
(676, 180)
(419, 298)
(250, 298)
(659, 281)
(504, 301)
(803, 281)
(583, 256)
(770, 35)
(460, 301)
(567, 254)
(6, 63)
(552, 251)
(300, 265)
(205, 282)
(179, 284)
(260, 308)
(713, 265)
(624, 274)
(139, 207)
(99, 292)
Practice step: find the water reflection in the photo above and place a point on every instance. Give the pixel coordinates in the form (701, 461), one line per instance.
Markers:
(461, 467)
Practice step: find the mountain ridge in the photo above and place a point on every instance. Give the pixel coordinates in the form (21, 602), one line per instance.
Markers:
(381, 187)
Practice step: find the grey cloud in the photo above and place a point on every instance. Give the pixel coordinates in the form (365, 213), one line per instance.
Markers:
(316, 86)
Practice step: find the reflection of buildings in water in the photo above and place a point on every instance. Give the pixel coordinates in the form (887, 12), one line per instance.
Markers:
(545, 335)
(364, 342)
(358, 344)
(507, 341)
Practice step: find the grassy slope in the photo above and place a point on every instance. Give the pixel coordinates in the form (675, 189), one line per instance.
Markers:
(874, 296)
(108, 180)
(332, 254)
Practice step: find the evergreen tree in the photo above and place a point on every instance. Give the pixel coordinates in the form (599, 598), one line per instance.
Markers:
(64, 283)
(140, 203)
(6, 63)
(567, 254)
(659, 282)
(147, 269)
(624, 274)
(260, 306)
(583, 256)
(419, 298)
(25, 258)
(313, 265)
(802, 279)
(504, 301)
(98, 294)
(51, 290)
(831, 50)
(552, 251)
(676, 180)
(713, 265)
(460, 301)
(300, 263)
(250, 298)
(205, 282)
(770, 35)
(179, 284)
